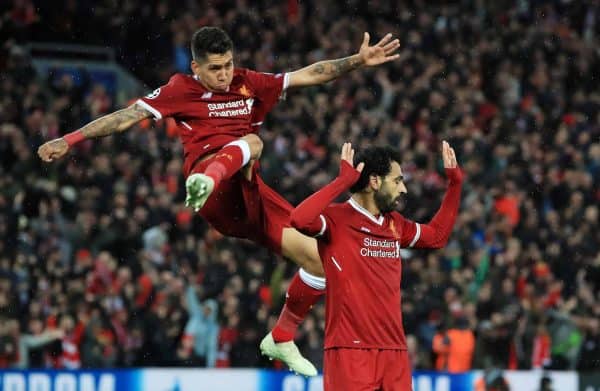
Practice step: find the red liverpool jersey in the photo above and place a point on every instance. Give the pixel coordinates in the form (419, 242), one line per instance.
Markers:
(362, 263)
(208, 120)
(361, 257)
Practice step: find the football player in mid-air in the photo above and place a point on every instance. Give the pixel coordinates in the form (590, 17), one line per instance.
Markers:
(218, 111)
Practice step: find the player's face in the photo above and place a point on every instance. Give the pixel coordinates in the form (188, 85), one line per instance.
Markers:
(215, 72)
(391, 190)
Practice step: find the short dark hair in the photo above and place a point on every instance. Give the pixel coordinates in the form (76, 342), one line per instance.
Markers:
(210, 40)
(378, 161)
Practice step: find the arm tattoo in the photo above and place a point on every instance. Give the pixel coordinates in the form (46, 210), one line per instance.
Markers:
(335, 68)
(115, 122)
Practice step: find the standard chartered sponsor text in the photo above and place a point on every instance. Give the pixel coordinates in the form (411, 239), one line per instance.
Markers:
(380, 248)
(368, 242)
(229, 113)
(230, 109)
(227, 105)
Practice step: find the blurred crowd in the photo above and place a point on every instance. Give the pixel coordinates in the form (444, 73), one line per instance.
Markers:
(102, 266)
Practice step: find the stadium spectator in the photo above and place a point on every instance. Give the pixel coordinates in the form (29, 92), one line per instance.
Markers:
(202, 328)
(455, 347)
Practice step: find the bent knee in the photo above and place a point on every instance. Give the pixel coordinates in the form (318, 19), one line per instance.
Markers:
(314, 267)
(311, 260)
(256, 145)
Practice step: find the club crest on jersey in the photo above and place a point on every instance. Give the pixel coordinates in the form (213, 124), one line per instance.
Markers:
(249, 103)
(393, 229)
(153, 94)
(245, 91)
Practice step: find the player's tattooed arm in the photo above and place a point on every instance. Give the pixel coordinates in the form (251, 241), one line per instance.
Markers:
(324, 71)
(337, 67)
(115, 122)
(103, 126)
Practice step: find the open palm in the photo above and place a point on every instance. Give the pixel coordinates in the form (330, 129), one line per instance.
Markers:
(448, 156)
(379, 53)
(347, 155)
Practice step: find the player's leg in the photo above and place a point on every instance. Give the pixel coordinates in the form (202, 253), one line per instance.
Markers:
(248, 170)
(279, 343)
(306, 288)
(271, 216)
(349, 369)
(238, 209)
(226, 162)
(224, 209)
(394, 367)
(302, 250)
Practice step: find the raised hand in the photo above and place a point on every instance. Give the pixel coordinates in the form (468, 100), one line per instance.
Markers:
(379, 53)
(448, 156)
(348, 156)
(53, 150)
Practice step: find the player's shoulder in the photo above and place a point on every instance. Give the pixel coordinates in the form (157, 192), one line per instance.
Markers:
(338, 209)
(396, 216)
(181, 83)
(242, 74)
(181, 79)
(399, 219)
(250, 74)
(241, 71)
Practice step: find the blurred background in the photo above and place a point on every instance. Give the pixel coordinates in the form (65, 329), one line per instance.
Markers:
(101, 266)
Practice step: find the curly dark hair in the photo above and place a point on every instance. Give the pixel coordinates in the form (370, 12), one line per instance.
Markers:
(378, 161)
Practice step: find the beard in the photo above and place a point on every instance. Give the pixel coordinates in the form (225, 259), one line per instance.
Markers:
(385, 202)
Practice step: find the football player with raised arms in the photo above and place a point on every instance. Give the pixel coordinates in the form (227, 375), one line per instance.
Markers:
(359, 243)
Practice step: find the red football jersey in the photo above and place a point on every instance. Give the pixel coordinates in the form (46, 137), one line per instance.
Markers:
(361, 257)
(208, 120)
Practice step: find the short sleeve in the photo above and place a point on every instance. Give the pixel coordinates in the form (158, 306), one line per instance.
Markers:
(327, 226)
(319, 228)
(167, 100)
(268, 88)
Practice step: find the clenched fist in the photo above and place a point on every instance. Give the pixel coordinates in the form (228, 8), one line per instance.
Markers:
(53, 150)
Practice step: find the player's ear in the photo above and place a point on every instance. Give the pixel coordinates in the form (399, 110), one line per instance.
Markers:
(374, 182)
(195, 67)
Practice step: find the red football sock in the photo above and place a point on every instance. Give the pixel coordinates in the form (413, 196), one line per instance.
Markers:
(227, 162)
(299, 299)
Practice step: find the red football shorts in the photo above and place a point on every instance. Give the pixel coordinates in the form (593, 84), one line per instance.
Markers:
(366, 370)
(247, 209)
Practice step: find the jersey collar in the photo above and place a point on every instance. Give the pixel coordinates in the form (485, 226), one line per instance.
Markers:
(360, 209)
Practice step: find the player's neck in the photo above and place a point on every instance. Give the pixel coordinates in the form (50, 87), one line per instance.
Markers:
(367, 202)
